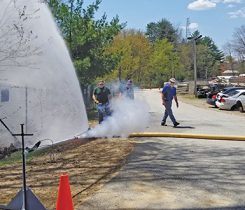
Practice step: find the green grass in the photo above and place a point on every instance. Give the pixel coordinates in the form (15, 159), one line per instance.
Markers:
(16, 157)
(13, 158)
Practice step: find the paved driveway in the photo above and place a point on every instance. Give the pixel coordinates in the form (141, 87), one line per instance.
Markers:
(193, 119)
(168, 173)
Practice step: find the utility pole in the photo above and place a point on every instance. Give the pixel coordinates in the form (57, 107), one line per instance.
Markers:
(194, 39)
(187, 29)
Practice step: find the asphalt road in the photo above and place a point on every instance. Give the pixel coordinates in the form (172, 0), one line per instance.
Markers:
(193, 119)
(170, 173)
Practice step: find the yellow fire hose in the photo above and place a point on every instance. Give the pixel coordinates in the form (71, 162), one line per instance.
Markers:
(186, 135)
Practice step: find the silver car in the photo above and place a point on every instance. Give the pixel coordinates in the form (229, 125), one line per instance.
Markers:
(241, 102)
(233, 100)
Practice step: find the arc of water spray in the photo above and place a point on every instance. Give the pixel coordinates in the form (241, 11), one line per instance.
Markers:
(43, 66)
(3, 123)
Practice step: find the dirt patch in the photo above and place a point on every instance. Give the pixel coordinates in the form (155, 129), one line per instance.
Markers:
(89, 165)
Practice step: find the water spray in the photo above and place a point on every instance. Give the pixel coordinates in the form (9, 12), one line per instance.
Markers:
(16, 140)
(39, 76)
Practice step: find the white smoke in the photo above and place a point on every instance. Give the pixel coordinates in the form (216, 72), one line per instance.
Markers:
(128, 116)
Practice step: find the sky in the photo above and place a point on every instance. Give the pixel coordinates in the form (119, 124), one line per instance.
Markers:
(217, 19)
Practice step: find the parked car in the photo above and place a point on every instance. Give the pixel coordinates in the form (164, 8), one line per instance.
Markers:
(202, 91)
(241, 102)
(213, 96)
(215, 89)
(231, 100)
(227, 91)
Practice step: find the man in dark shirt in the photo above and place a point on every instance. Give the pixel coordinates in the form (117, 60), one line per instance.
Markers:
(101, 96)
(168, 94)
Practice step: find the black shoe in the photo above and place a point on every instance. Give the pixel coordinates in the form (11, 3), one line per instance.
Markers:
(176, 124)
(163, 123)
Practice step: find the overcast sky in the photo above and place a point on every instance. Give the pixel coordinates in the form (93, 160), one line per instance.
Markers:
(217, 19)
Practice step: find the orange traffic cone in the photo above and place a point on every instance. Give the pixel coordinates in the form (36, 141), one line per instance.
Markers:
(64, 200)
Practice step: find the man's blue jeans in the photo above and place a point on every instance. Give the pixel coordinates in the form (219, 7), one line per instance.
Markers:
(103, 111)
(168, 112)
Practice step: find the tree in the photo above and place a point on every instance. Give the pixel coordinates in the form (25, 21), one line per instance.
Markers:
(132, 50)
(216, 54)
(160, 30)
(87, 38)
(163, 62)
(239, 42)
(186, 61)
(208, 56)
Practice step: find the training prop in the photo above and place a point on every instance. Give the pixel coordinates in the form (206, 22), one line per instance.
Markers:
(25, 198)
(32, 201)
(64, 200)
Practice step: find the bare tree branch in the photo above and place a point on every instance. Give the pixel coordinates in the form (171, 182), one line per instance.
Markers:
(238, 42)
(16, 37)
